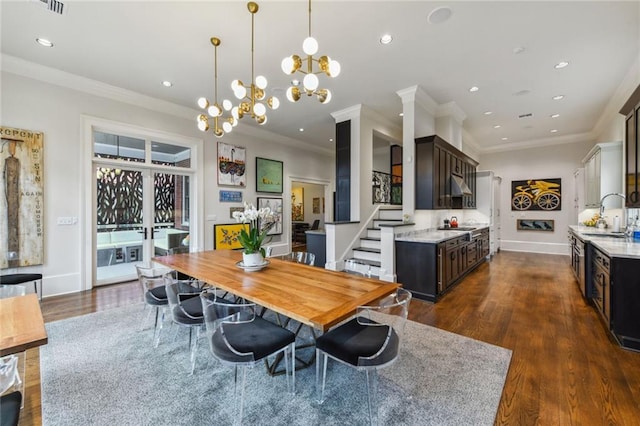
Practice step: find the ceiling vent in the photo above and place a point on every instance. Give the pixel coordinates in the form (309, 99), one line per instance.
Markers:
(53, 5)
(525, 115)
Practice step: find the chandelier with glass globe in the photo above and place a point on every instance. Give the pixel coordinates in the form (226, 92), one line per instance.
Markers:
(214, 109)
(252, 97)
(310, 82)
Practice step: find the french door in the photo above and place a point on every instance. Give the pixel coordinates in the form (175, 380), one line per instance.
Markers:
(142, 203)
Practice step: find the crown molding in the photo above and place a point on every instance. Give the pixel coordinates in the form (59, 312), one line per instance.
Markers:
(347, 114)
(538, 143)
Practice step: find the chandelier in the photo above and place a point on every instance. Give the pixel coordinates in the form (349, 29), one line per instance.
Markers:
(251, 96)
(310, 82)
(213, 109)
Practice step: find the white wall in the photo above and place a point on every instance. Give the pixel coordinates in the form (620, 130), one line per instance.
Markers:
(56, 111)
(557, 162)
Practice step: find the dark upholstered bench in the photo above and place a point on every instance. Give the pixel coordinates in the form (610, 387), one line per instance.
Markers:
(13, 279)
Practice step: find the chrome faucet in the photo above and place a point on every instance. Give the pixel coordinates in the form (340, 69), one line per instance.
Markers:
(602, 205)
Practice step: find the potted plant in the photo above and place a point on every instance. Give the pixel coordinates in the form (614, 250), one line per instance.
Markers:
(260, 221)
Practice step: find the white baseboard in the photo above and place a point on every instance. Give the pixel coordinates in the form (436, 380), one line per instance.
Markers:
(535, 247)
(56, 285)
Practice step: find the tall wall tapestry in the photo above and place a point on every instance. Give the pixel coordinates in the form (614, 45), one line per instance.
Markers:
(21, 198)
(119, 197)
(297, 204)
(536, 194)
(381, 184)
(231, 165)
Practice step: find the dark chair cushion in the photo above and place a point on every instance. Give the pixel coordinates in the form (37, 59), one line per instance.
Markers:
(11, 279)
(156, 296)
(10, 408)
(351, 341)
(259, 336)
(192, 307)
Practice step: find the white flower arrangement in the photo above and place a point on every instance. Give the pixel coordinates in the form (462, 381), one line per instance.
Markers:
(252, 241)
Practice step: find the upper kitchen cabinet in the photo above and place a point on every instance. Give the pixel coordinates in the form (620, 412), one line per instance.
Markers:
(603, 172)
(631, 110)
(445, 177)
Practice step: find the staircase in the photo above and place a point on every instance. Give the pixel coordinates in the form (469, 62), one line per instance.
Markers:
(365, 258)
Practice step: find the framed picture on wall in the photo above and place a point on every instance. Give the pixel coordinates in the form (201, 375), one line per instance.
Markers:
(535, 225)
(297, 204)
(536, 194)
(275, 204)
(231, 165)
(225, 237)
(268, 175)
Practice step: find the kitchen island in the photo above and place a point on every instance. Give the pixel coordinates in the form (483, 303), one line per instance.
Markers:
(430, 262)
(612, 277)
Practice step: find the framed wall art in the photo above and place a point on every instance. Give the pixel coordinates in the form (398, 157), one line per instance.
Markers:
(535, 225)
(225, 237)
(231, 165)
(316, 205)
(275, 204)
(232, 210)
(268, 175)
(536, 194)
(22, 189)
(230, 196)
(297, 204)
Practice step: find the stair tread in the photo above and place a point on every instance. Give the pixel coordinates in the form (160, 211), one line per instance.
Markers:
(367, 262)
(370, 238)
(367, 249)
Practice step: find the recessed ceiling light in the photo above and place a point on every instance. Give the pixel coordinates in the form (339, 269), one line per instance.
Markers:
(555, 115)
(401, 114)
(505, 139)
(474, 89)
(330, 139)
(560, 65)
(488, 112)
(497, 126)
(554, 130)
(558, 97)
(167, 83)
(44, 42)
(301, 129)
(386, 39)
(518, 50)
(295, 82)
(439, 15)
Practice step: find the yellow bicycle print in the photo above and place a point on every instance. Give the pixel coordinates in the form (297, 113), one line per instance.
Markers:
(545, 195)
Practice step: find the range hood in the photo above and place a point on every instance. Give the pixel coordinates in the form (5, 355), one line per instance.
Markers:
(459, 187)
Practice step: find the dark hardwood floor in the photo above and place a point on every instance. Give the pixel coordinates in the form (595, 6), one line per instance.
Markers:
(565, 369)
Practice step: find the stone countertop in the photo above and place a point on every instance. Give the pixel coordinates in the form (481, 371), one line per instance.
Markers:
(434, 236)
(613, 247)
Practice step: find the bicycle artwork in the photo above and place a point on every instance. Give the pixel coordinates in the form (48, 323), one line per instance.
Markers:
(536, 194)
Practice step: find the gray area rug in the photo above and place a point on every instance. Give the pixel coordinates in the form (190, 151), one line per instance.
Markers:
(102, 369)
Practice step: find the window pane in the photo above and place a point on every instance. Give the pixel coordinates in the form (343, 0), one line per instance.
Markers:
(118, 147)
(170, 155)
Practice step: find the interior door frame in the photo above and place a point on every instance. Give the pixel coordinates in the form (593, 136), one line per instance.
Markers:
(89, 124)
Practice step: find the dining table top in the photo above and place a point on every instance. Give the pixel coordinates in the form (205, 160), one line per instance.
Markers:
(21, 324)
(314, 296)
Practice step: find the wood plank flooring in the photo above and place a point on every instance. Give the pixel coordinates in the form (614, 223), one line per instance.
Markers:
(564, 370)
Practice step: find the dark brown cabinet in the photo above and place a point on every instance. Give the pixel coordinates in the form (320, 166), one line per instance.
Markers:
(616, 295)
(631, 110)
(429, 270)
(436, 161)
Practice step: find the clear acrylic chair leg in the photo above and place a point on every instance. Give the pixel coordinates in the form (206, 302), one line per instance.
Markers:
(372, 392)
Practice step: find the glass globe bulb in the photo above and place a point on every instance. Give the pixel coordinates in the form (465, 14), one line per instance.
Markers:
(273, 102)
(227, 105)
(287, 65)
(261, 120)
(214, 110)
(234, 122)
(310, 46)
(235, 84)
(240, 92)
(261, 82)
(259, 109)
(203, 102)
(203, 126)
(310, 82)
(227, 127)
(234, 113)
(334, 68)
(293, 94)
(326, 98)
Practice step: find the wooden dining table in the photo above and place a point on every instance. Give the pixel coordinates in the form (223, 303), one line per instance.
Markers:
(21, 324)
(317, 297)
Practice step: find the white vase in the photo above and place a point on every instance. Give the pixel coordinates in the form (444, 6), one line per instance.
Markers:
(253, 259)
